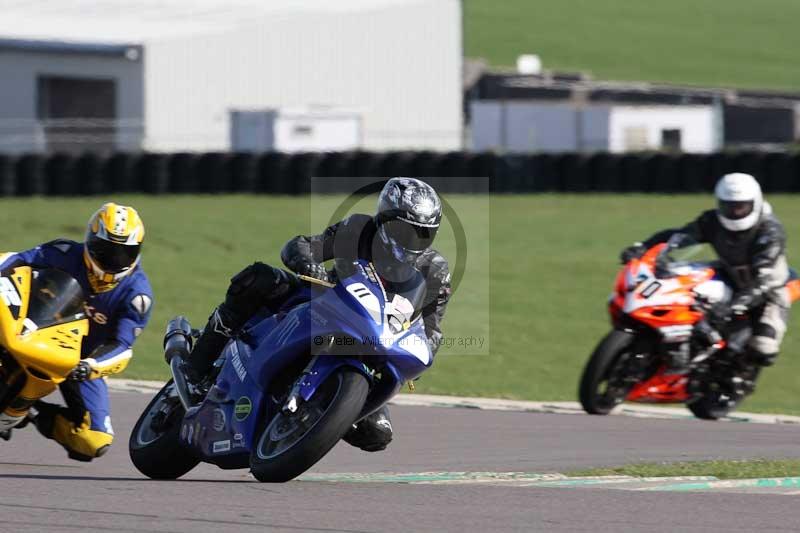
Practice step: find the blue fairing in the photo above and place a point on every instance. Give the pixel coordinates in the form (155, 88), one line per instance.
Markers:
(317, 331)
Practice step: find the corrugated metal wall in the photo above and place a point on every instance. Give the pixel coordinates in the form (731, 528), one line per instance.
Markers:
(399, 62)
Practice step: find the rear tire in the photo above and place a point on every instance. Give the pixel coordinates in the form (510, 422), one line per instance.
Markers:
(340, 400)
(158, 453)
(596, 373)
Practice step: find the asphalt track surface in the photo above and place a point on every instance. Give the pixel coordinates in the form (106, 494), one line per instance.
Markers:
(41, 490)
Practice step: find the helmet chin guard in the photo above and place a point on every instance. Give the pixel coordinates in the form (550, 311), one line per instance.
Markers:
(739, 201)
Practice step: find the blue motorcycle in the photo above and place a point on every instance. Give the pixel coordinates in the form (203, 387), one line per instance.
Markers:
(292, 383)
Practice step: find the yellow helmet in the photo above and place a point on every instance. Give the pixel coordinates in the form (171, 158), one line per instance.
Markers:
(113, 245)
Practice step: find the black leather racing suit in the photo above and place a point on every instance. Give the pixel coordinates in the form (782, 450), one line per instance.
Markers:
(755, 263)
(355, 238)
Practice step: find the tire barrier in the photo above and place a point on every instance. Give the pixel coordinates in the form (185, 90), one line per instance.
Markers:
(8, 180)
(89, 175)
(339, 172)
(30, 176)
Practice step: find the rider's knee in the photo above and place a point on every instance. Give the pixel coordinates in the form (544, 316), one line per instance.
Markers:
(373, 433)
(764, 348)
(253, 287)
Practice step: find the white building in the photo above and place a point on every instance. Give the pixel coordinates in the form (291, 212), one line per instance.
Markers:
(164, 75)
(527, 126)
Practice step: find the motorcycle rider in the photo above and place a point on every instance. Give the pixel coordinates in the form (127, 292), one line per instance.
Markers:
(751, 244)
(402, 231)
(107, 266)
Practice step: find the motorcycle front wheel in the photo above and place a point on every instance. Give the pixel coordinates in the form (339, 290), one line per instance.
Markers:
(154, 446)
(291, 443)
(600, 387)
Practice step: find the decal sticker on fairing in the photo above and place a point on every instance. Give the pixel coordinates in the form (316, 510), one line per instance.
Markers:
(221, 446)
(242, 408)
(218, 420)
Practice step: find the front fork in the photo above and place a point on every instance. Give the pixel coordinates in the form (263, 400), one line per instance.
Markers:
(318, 369)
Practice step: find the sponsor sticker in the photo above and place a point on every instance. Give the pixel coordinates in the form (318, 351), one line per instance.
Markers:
(242, 408)
(221, 446)
(236, 361)
(238, 441)
(218, 420)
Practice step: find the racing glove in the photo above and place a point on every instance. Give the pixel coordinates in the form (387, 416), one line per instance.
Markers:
(744, 301)
(80, 372)
(634, 251)
(314, 270)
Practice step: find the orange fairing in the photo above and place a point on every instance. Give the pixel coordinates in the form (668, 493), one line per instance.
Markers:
(794, 290)
(650, 256)
(660, 389)
(661, 316)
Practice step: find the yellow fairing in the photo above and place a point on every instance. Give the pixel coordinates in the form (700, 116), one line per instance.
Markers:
(47, 355)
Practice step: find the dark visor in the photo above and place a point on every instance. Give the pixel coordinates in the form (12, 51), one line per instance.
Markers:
(111, 256)
(408, 236)
(735, 210)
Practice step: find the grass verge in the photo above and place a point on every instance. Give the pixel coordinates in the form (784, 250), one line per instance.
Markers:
(730, 469)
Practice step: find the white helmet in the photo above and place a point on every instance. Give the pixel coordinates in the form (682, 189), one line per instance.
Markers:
(739, 201)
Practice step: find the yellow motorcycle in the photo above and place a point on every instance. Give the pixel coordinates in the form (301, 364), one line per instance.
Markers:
(42, 325)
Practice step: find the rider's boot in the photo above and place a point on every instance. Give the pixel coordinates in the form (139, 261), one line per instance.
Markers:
(6, 434)
(373, 433)
(207, 347)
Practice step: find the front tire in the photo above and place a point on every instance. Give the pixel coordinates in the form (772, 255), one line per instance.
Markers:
(291, 444)
(154, 445)
(598, 394)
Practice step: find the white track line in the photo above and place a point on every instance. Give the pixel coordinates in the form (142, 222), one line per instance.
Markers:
(496, 404)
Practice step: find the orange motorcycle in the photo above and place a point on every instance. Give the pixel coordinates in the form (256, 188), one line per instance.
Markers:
(658, 309)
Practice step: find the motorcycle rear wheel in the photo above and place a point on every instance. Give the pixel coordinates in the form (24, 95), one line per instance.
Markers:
(154, 445)
(595, 395)
(290, 444)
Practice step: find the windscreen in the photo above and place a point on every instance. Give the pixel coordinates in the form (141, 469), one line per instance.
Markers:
(56, 298)
(682, 251)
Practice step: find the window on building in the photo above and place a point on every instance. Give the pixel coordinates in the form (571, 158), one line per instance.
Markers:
(671, 139)
(77, 114)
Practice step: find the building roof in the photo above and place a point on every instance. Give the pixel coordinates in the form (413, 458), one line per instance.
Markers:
(139, 21)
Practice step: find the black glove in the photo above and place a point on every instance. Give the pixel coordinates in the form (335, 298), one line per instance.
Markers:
(80, 372)
(718, 313)
(314, 270)
(635, 251)
(742, 303)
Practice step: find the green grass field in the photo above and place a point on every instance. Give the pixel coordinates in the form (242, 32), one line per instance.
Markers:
(539, 271)
(743, 469)
(737, 43)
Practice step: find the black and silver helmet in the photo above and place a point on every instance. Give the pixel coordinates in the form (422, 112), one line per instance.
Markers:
(409, 214)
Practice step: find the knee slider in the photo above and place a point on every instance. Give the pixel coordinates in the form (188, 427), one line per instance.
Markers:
(255, 286)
